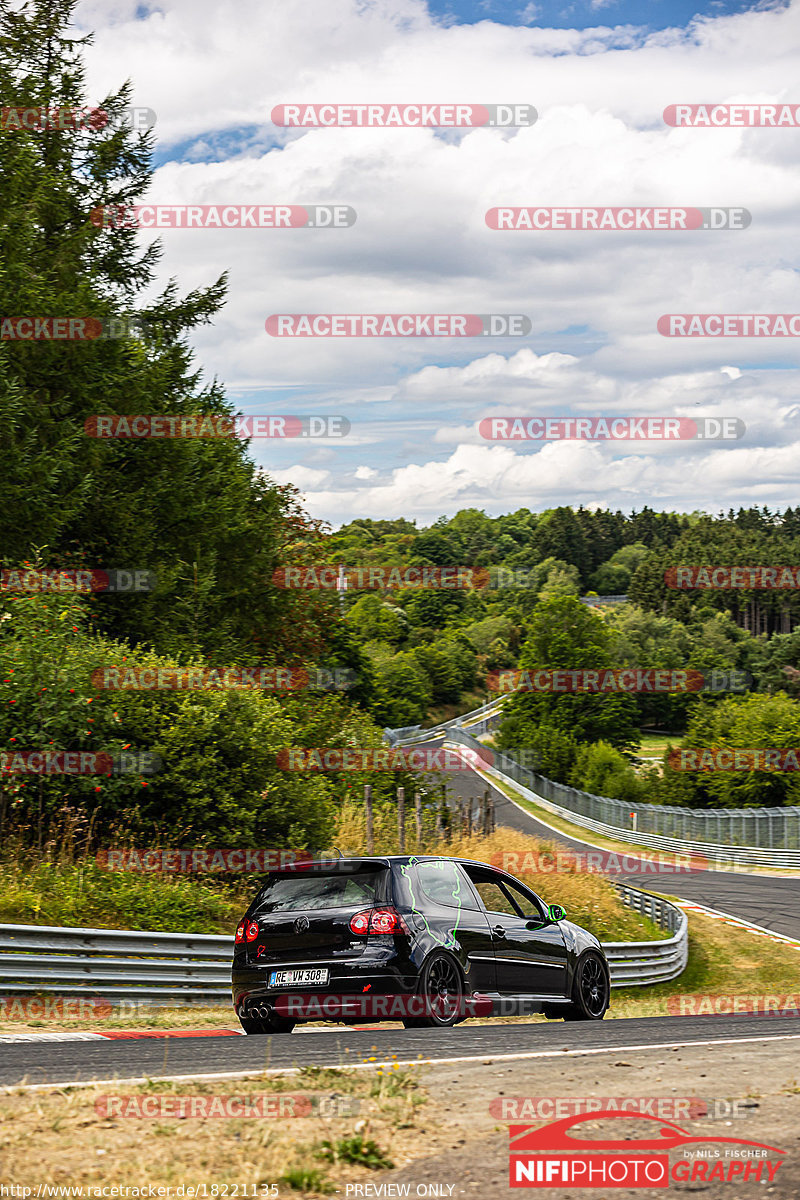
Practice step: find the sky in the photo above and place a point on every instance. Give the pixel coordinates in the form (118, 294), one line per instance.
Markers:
(599, 74)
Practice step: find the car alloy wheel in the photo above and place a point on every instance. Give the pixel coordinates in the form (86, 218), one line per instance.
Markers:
(442, 990)
(590, 991)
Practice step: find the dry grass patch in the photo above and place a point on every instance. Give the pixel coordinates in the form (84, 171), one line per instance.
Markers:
(76, 1144)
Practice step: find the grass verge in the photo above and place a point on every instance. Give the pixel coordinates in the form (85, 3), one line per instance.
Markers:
(82, 1140)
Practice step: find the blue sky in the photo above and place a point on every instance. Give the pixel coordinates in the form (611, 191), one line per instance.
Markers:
(585, 14)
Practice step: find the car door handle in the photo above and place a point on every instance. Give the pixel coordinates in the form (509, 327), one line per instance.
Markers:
(499, 931)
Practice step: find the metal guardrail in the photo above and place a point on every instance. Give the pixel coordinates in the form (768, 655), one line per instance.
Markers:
(767, 837)
(193, 970)
(617, 599)
(183, 970)
(478, 720)
(635, 964)
(628, 821)
(178, 969)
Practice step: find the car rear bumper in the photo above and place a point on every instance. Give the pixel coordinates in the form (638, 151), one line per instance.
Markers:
(344, 992)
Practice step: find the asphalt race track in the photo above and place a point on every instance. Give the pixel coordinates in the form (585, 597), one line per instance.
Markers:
(770, 901)
(84, 1061)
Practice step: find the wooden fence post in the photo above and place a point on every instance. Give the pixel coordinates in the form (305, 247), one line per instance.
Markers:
(368, 810)
(401, 820)
(418, 817)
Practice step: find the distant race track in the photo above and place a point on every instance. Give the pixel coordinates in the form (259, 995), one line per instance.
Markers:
(772, 901)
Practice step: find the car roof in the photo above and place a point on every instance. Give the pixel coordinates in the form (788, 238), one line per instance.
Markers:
(385, 860)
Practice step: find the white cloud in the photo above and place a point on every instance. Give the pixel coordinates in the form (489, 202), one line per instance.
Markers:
(421, 244)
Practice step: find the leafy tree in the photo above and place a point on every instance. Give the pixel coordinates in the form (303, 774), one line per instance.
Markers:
(220, 778)
(402, 692)
(371, 618)
(194, 510)
(565, 634)
(601, 769)
(749, 722)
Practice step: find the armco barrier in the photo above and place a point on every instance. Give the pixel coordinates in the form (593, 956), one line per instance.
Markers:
(181, 970)
(635, 964)
(177, 969)
(579, 807)
(767, 837)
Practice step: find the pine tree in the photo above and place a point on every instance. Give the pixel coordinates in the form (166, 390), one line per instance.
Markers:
(195, 511)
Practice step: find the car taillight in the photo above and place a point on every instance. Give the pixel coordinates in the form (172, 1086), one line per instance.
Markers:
(251, 932)
(378, 921)
(240, 933)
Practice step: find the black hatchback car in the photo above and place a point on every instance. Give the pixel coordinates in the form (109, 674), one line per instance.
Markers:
(427, 940)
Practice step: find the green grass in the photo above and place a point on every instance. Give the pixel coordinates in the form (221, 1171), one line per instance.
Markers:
(723, 961)
(44, 893)
(357, 1150)
(307, 1179)
(654, 745)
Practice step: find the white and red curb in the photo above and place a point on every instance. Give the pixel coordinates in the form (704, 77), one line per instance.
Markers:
(701, 910)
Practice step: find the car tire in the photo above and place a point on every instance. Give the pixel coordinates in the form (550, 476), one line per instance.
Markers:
(442, 984)
(273, 1024)
(590, 990)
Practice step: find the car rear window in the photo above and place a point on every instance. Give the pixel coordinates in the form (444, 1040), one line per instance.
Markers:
(284, 893)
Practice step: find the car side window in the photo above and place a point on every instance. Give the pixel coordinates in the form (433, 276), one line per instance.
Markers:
(528, 905)
(494, 898)
(442, 882)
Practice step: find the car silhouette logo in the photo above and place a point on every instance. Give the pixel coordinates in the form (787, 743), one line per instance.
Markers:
(554, 1137)
(301, 925)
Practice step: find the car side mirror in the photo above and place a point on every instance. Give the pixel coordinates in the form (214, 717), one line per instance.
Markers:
(556, 913)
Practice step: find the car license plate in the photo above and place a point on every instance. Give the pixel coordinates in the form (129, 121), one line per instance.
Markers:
(308, 975)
